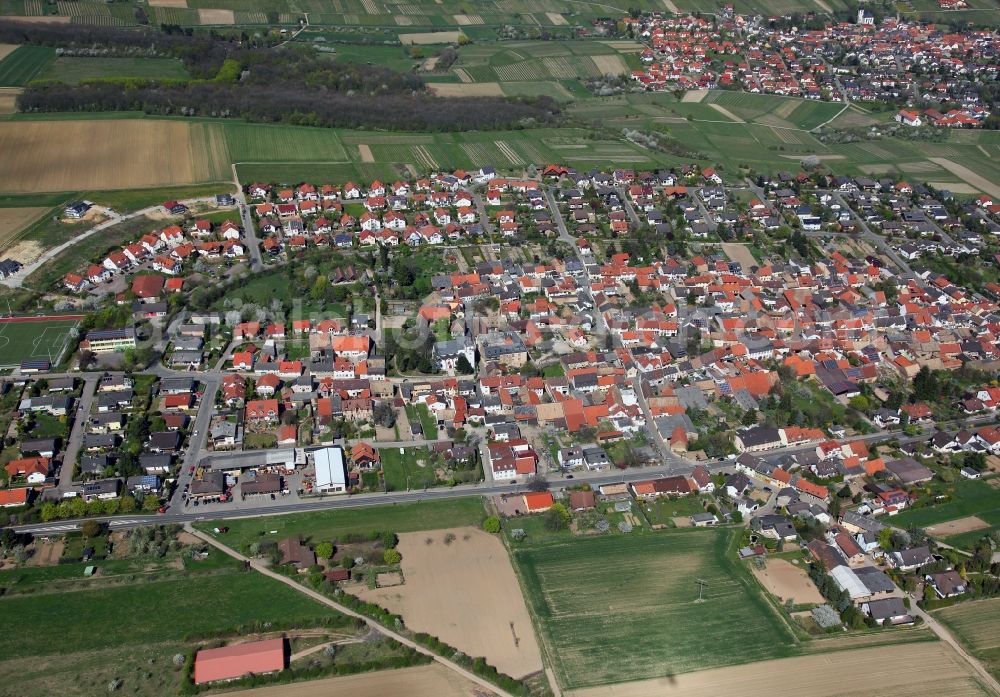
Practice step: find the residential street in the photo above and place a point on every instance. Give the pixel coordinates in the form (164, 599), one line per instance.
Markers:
(17, 279)
(75, 441)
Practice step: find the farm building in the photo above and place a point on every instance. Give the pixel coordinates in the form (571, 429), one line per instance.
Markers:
(233, 662)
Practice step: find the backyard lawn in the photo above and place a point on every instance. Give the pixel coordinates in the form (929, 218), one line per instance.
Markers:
(411, 469)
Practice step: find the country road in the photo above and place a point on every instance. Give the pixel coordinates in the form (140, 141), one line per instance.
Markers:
(946, 636)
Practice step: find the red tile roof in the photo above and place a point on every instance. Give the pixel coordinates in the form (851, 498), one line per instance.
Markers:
(231, 662)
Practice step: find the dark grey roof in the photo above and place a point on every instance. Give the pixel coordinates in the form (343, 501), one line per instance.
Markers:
(875, 580)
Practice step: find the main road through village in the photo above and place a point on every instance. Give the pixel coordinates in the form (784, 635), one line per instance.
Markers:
(677, 466)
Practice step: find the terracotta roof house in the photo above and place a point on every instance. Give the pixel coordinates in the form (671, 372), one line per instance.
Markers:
(147, 286)
(233, 662)
(10, 498)
(262, 410)
(537, 502)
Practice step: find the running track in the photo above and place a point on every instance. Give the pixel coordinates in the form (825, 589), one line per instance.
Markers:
(41, 318)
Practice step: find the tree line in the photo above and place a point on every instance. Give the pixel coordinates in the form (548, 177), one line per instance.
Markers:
(290, 104)
(231, 78)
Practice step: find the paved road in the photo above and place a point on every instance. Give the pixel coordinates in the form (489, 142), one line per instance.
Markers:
(877, 240)
(320, 598)
(196, 443)
(253, 244)
(75, 441)
(677, 466)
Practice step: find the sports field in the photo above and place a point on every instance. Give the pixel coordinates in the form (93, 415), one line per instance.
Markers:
(23, 338)
(612, 609)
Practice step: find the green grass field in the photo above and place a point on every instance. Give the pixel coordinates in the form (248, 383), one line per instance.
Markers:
(402, 471)
(617, 608)
(263, 143)
(328, 525)
(74, 69)
(24, 340)
(24, 64)
(207, 604)
(533, 61)
(977, 625)
(128, 622)
(967, 498)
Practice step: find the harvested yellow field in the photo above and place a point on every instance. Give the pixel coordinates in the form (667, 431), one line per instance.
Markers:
(467, 20)
(108, 154)
(422, 681)
(7, 49)
(216, 17)
(953, 187)
(786, 108)
(365, 152)
(613, 65)
(819, 157)
(958, 526)
(967, 175)
(466, 89)
(431, 37)
(556, 18)
(926, 668)
(625, 46)
(8, 99)
(694, 96)
(465, 593)
(168, 3)
(13, 220)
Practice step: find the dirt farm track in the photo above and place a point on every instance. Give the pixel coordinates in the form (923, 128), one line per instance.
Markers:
(422, 681)
(113, 154)
(926, 668)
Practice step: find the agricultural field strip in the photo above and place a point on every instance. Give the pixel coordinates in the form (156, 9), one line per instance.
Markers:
(927, 668)
(586, 612)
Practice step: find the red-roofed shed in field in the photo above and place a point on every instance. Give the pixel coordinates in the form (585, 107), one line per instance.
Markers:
(232, 662)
